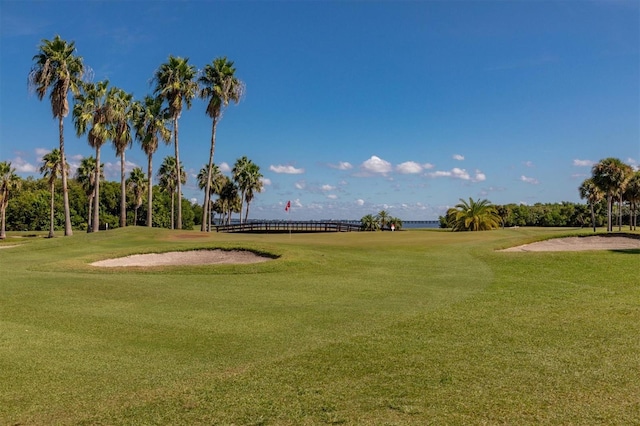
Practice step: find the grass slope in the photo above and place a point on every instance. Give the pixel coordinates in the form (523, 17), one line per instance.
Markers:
(415, 327)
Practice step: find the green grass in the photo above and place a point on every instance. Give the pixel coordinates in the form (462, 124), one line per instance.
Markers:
(412, 327)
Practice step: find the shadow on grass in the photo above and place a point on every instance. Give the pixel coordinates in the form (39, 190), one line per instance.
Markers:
(627, 251)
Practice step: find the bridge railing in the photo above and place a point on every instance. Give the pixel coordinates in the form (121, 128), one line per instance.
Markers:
(297, 226)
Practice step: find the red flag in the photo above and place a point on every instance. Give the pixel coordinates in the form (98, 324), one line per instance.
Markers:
(288, 206)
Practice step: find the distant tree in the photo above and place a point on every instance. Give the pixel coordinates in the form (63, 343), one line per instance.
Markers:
(58, 70)
(150, 123)
(592, 193)
(219, 86)
(9, 182)
(477, 215)
(91, 114)
(632, 195)
(610, 176)
(86, 176)
(396, 222)
(175, 83)
(251, 185)
(137, 183)
(168, 176)
(52, 168)
(370, 223)
(383, 218)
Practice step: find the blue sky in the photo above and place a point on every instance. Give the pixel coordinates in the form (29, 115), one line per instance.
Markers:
(355, 107)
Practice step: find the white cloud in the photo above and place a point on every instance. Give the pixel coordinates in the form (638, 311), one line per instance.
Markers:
(342, 165)
(265, 181)
(427, 166)
(300, 184)
(458, 157)
(41, 152)
(290, 170)
(530, 180)
(224, 167)
(479, 177)
(332, 196)
(409, 167)
(327, 187)
(457, 173)
(528, 163)
(376, 165)
(360, 202)
(22, 166)
(583, 163)
(112, 170)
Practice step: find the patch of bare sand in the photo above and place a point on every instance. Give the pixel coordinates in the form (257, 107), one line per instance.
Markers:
(580, 244)
(194, 257)
(9, 246)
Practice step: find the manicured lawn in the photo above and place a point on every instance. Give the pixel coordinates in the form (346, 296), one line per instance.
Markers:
(412, 327)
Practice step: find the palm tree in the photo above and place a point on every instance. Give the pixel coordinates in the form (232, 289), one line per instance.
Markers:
(632, 195)
(175, 83)
(252, 184)
(609, 176)
(151, 125)
(86, 177)
(370, 223)
(395, 223)
(9, 182)
(122, 112)
(219, 86)
(239, 173)
(168, 175)
(590, 191)
(138, 185)
(93, 110)
(52, 168)
(214, 186)
(57, 70)
(478, 215)
(229, 199)
(383, 218)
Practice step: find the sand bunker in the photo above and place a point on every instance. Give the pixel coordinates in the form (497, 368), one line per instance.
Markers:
(580, 244)
(4, 247)
(194, 257)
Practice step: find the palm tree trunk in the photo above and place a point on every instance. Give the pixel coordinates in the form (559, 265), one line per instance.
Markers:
(51, 207)
(172, 209)
(206, 208)
(90, 211)
(246, 215)
(123, 194)
(179, 173)
(135, 216)
(65, 192)
(95, 223)
(3, 209)
(609, 212)
(150, 193)
(620, 213)
(593, 218)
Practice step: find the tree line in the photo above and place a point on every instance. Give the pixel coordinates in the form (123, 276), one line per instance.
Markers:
(106, 113)
(34, 204)
(612, 184)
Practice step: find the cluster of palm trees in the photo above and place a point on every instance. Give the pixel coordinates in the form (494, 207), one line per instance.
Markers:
(105, 113)
(381, 221)
(615, 181)
(9, 183)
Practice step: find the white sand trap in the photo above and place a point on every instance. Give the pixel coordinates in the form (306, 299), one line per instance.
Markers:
(580, 244)
(194, 257)
(9, 246)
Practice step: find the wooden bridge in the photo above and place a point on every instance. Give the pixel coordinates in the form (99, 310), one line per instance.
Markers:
(283, 227)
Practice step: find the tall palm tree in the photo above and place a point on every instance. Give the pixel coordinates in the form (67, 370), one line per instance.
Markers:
(92, 110)
(590, 191)
(478, 215)
(215, 185)
(229, 198)
(52, 168)
(9, 182)
(137, 182)
(151, 126)
(609, 176)
(57, 70)
(168, 176)
(252, 184)
(240, 177)
(86, 177)
(219, 86)
(122, 113)
(175, 83)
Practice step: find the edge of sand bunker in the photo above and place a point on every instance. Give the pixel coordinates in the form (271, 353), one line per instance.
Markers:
(580, 244)
(181, 258)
